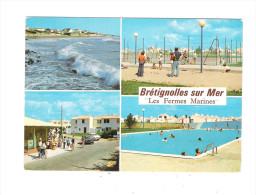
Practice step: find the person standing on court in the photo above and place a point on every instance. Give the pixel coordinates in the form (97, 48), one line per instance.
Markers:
(141, 60)
(176, 62)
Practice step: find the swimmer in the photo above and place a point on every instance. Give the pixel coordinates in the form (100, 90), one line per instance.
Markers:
(199, 139)
(184, 154)
(236, 127)
(198, 152)
(149, 133)
(161, 133)
(172, 136)
(220, 130)
(238, 132)
(164, 140)
(215, 128)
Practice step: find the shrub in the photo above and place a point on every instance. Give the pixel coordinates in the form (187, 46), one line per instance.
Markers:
(108, 134)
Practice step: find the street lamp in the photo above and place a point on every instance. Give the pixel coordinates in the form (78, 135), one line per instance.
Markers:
(135, 35)
(201, 24)
(143, 110)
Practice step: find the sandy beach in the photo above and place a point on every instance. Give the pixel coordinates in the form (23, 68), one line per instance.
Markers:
(188, 77)
(228, 159)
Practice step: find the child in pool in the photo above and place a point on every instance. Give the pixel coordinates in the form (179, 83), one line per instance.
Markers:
(164, 140)
(198, 152)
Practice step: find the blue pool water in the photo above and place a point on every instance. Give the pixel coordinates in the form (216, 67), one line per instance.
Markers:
(184, 141)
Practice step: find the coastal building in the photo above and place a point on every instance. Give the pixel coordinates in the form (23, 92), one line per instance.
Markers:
(97, 123)
(39, 29)
(35, 129)
(172, 119)
(84, 31)
(162, 118)
(151, 120)
(67, 30)
(110, 122)
(139, 119)
(48, 30)
(77, 30)
(183, 119)
(82, 124)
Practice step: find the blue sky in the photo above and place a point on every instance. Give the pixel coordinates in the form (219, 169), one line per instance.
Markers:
(176, 32)
(130, 105)
(100, 25)
(46, 106)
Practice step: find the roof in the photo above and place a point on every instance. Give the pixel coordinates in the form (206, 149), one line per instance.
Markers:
(29, 122)
(112, 116)
(82, 117)
(97, 118)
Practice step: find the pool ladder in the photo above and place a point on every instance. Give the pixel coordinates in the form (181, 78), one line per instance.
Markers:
(208, 146)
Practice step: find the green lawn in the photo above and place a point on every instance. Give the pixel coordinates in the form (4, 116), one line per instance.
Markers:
(132, 88)
(134, 130)
(238, 64)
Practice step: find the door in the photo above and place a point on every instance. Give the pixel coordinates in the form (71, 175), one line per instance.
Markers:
(84, 129)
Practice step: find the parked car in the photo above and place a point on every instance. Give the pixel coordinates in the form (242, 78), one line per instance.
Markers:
(95, 136)
(88, 139)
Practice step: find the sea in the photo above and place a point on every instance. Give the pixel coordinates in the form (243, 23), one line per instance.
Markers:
(88, 63)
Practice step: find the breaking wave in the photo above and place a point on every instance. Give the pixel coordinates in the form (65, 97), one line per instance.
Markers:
(86, 65)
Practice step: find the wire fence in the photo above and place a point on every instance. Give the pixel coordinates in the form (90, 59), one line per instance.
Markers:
(212, 54)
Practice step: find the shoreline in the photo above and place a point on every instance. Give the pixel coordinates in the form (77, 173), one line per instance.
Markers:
(63, 36)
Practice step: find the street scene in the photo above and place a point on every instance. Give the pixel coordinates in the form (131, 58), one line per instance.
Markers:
(71, 140)
(181, 52)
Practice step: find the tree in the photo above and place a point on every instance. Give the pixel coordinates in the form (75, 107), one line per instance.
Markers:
(176, 116)
(130, 121)
(186, 116)
(198, 50)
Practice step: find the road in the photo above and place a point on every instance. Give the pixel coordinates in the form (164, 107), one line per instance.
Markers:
(82, 159)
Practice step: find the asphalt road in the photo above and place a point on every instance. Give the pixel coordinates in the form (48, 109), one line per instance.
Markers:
(82, 159)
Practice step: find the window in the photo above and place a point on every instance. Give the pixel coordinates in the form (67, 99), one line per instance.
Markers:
(118, 120)
(76, 121)
(98, 121)
(160, 116)
(82, 120)
(106, 120)
(79, 129)
(165, 116)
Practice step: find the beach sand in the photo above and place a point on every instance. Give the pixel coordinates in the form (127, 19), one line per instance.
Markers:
(187, 77)
(228, 159)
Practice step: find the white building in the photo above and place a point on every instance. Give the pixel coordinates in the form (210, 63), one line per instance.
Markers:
(67, 30)
(162, 118)
(139, 119)
(183, 119)
(110, 122)
(151, 120)
(82, 124)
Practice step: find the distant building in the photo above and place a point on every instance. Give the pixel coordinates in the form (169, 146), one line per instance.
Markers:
(77, 30)
(26, 27)
(84, 31)
(162, 118)
(67, 30)
(82, 124)
(39, 29)
(47, 30)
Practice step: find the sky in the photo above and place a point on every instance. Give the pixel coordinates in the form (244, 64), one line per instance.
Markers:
(176, 32)
(130, 105)
(100, 25)
(46, 106)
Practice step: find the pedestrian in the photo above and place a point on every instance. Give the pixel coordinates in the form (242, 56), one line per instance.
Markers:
(64, 143)
(68, 142)
(141, 60)
(172, 58)
(160, 61)
(175, 66)
(73, 144)
(82, 141)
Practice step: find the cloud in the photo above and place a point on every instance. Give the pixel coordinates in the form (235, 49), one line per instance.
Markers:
(157, 37)
(174, 38)
(40, 104)
(175, 25)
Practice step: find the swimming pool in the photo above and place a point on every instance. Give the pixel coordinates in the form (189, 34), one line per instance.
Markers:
(184, 141)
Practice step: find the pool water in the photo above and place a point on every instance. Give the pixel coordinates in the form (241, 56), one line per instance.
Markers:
(184, 141)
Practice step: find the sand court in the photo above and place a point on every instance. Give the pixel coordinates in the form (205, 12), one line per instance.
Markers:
(187, 77)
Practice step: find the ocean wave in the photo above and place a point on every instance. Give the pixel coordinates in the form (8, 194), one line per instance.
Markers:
(86, 65)
(114, 39)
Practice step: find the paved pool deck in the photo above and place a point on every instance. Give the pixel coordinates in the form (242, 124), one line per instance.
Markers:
(228, 159)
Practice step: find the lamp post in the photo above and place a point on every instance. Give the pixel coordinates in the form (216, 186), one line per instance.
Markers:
(201, 24)
(143, 110)
(135, 35)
